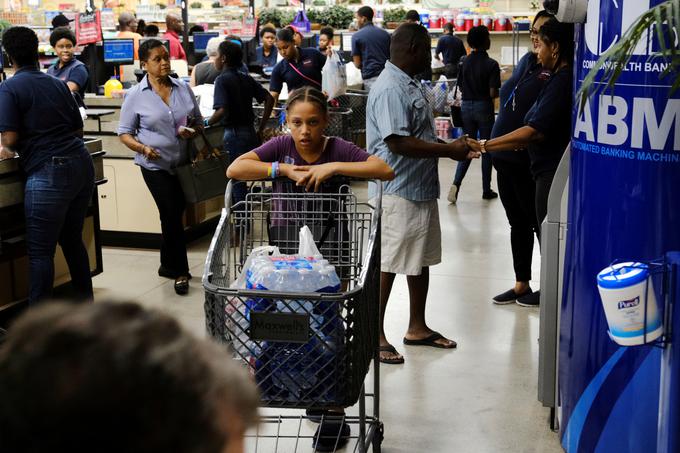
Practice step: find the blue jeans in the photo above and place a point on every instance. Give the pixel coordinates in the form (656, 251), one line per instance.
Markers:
(237, 142)
(55, 202)
(478, 119)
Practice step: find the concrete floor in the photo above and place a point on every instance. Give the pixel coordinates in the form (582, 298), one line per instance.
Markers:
(478, 398)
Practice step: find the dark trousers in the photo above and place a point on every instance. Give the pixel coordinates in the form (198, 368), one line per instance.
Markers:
(55, 202)
(517, 191)
(478, 119)
(237, 142)
(167, 193)
(543, 184)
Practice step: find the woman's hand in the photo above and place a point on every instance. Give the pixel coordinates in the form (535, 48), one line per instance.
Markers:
(314, 175)
(149, 153)
(188, 132)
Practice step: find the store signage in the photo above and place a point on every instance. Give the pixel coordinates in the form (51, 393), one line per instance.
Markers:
(88, 28)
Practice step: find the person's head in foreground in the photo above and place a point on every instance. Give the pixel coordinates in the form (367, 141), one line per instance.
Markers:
(555, 44)
(325, 38)
(115, 377)
(229, 55)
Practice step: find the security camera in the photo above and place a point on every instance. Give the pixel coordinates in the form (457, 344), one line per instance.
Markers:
(569, 11)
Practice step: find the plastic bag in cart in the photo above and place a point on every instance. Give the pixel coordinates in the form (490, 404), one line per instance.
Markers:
(285, 369)
(334, 77)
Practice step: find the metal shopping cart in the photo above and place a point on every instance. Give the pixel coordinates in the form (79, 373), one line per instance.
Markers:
(297, 366)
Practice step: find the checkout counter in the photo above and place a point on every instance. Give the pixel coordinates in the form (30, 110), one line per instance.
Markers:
(13, 257)
(128, 214)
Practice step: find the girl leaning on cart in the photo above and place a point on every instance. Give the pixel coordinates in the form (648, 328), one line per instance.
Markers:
(309, 158)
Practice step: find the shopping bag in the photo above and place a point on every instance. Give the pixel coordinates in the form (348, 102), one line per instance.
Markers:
(456, 113)
(334, 77)
(301, 22)
(307, 245)
(205, 176)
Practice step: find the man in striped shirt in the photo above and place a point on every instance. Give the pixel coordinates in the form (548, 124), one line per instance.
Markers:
(400, 130)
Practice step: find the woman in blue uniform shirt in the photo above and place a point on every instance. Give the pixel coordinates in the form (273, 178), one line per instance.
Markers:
(547, 126)
(68, 68)
(40, 121)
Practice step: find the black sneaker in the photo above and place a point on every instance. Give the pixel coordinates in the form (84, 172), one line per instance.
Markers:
(530, 300)
(510, 296)
(490, 195)
(331, 435)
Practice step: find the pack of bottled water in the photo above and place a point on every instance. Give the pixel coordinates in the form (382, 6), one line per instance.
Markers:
(296, 371)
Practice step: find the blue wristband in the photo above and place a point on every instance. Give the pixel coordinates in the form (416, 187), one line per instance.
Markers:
(206, 123)
(275, 170)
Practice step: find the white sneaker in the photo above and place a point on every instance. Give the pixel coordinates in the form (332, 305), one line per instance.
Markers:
(453, 194)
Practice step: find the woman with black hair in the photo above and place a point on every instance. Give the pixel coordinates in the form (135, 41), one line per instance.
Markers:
(515, 183)
(478, 81)
(156, 119)
(67, 67)
(40, 121)
(299, 67)
(547, 125)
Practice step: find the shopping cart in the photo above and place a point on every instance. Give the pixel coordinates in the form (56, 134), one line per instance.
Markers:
(297, 366)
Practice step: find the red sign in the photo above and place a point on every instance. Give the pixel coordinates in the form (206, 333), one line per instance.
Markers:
(88, 28)
(249, 26)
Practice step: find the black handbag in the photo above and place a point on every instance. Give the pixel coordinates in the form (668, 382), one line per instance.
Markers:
(205, 176)
(456, 113)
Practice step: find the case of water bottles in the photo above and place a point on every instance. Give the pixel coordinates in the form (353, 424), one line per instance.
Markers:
(304, 325)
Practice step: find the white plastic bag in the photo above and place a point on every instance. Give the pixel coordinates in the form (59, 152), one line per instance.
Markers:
(353, 76)
(257, 251)
(334, 77)
(307, 245)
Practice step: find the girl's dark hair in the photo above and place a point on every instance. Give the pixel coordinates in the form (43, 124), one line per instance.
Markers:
(541, 13)
(267, 30)
(286, 35)
(141, 25)
(413, 15)
(554, 31)
(60, 33)
(21, 44)
(308, 94)
(147, 46)
(328, 31)
(232, 53)
(150, 30)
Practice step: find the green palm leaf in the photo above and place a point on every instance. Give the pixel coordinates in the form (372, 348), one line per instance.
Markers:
(664, 18)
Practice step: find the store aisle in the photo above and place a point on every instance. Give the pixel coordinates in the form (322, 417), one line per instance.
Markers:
(480, 398)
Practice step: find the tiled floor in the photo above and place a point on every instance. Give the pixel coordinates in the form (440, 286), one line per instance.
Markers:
(478, 398)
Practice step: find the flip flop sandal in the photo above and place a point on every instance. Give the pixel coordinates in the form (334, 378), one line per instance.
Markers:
(391, 361)
(431, 341)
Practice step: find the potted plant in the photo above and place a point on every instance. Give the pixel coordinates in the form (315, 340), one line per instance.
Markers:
(314, 16)
(394, 2)
(337, 16)
(196, 5)
(216, 5)
(319, 3)
(393, 16)
(287, 16)
(162, 5)
(664, 16)
(270, 16)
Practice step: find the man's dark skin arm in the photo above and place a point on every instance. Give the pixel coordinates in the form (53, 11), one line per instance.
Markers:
(419, 149)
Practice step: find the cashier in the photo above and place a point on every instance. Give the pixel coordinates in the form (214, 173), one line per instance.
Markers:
(299, 67)
(40, 121)
(67, 67)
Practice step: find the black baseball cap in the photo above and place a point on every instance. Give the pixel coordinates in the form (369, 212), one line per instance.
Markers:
(61, 21)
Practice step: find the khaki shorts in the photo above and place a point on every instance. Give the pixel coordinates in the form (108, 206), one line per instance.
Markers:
(411, 235)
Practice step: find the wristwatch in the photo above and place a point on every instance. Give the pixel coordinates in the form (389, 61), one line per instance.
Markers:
(482, 144)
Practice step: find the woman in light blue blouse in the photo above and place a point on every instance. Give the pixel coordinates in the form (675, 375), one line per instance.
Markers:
(157, 117)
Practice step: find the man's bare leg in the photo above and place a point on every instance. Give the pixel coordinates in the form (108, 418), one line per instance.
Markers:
(418, 286)
(386, 282)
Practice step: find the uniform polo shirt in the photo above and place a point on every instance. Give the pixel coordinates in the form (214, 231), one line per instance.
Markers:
(309, 64)
(41, 109)
(372, 44)
(73, 71)
(235, 93)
